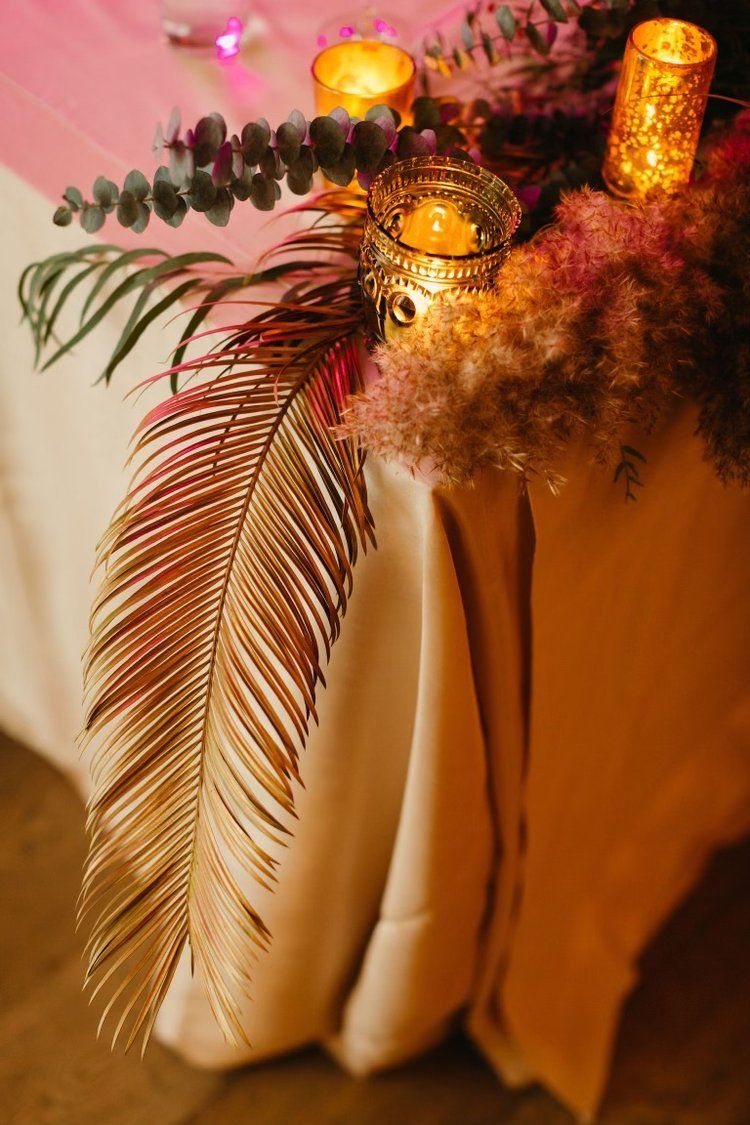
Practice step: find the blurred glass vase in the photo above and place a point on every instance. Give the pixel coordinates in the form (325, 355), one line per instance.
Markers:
(200, 23)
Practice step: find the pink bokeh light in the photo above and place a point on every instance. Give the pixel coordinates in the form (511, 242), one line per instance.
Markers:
(228, 42)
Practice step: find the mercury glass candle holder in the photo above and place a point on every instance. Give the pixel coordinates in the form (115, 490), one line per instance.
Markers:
(433, 224)
(358, 74)
(661, 98)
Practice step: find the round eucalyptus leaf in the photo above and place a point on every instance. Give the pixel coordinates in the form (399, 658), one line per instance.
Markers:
(411, 143)
(449, 136)
(172, 131)
(300, 181)
(221, 123)
(202, 191)
(270, 164)
(299, 121)
(329, 140)
(300, 174)
(386, 124)
(388, 159)
(73, 198)
(137, 184)
(240, 185)
(342, 172)
(165, 199)
(262, 192)
(288, 142)
(180, 163)
(426, 114)
(342, 118)
(162, 173)
(127, 209)
(105, 193)
(92, 218)
(208, 139)
(240, 190)
(238, 162)
(141, 222)
(376, 112)
(179, 213)
(222, 208)
(221, 173)
(370, 142)
(62, 217)
(460, 154)
(254, 139)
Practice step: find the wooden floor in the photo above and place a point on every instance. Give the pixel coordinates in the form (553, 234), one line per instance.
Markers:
(683, 1056)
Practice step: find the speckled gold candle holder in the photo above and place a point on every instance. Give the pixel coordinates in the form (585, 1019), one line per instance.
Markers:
(661, 98)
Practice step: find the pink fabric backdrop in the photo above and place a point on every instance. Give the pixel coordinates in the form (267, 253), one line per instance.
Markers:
(83, 84)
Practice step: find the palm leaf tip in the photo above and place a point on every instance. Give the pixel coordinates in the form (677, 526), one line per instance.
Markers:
(227, 570)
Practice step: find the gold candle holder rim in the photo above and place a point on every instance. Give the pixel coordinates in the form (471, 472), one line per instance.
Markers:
(415, 164)
(678, 64)
(389, 91)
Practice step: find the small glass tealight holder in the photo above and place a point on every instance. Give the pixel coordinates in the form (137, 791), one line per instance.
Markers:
(358, 73)
(433, 224)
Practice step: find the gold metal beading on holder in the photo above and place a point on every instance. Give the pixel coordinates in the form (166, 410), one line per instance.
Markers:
(661, 98)
(433, 224)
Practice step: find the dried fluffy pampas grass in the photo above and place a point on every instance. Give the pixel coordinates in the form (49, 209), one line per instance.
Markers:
(602, 320)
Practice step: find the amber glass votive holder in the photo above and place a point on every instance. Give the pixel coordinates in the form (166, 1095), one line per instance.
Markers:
(661, 99)
(433, 224)
(361, 73)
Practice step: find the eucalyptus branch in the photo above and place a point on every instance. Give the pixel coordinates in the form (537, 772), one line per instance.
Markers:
(487, 27)
(209, 171)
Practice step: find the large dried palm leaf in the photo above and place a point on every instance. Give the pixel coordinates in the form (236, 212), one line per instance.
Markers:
(227, 569)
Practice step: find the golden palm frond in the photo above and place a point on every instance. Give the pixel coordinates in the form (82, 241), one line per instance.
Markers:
(226, 571)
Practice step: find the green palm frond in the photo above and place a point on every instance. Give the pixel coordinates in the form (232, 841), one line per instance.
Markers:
(150, 279)
(150, 282)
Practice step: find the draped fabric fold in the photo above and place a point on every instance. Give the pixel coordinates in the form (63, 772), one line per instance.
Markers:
(638, 746)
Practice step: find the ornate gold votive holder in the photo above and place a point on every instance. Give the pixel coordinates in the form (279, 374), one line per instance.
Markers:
(360, 73)
(661, 98)
(433, 224)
